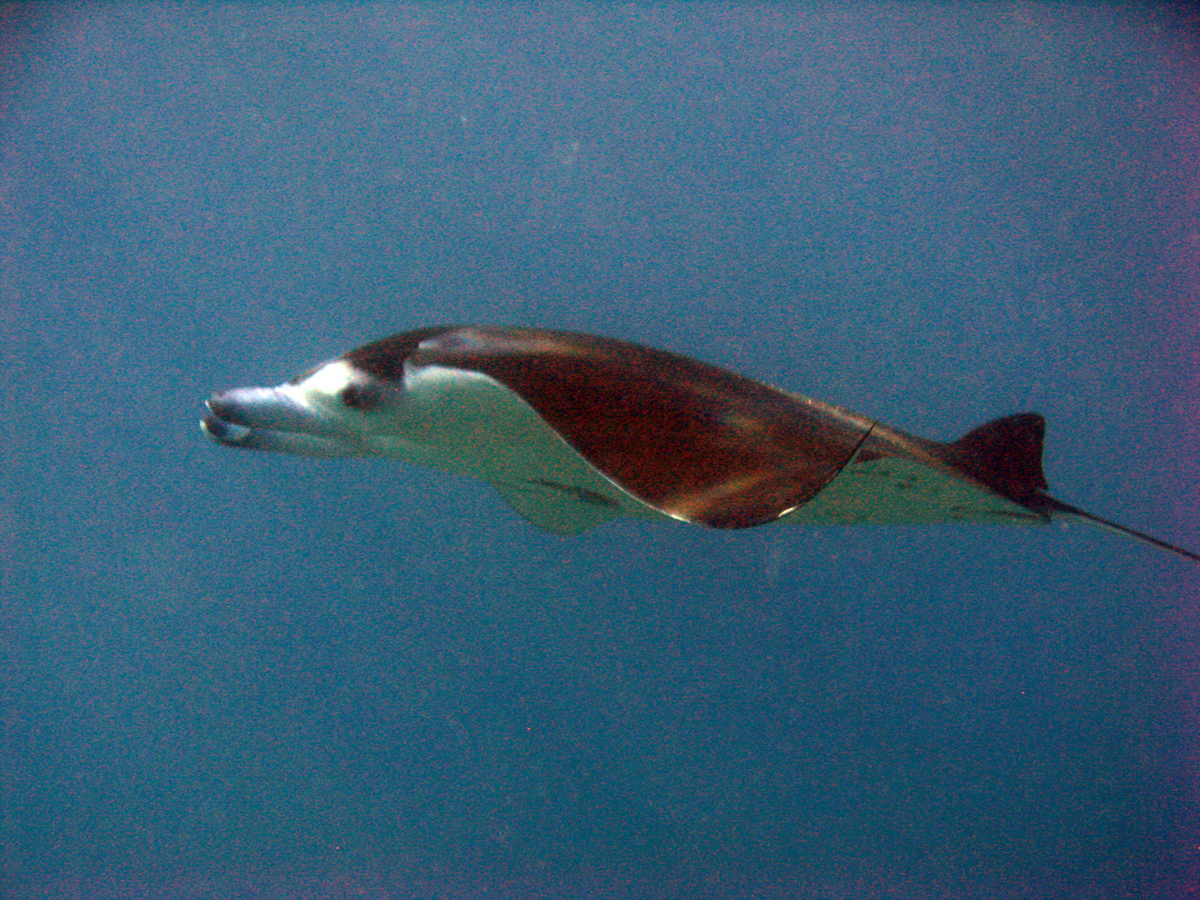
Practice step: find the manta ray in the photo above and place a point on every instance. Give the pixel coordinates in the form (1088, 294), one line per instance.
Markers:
(574, 430)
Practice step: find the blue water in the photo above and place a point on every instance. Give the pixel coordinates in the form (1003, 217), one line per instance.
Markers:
(238, 676)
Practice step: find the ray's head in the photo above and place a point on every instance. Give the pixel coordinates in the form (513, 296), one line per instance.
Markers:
(328, 411)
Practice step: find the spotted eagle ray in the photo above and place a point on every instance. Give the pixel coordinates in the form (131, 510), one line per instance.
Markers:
(574, 430)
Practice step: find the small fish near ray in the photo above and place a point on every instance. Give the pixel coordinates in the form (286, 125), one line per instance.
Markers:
(574, 430)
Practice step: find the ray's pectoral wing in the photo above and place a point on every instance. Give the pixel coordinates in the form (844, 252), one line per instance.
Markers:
(471, 424)
(689, 441)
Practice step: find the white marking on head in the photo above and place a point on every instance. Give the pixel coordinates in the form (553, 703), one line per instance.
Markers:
(331, 379)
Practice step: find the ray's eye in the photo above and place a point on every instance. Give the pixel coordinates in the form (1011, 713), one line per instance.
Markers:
(361, 396)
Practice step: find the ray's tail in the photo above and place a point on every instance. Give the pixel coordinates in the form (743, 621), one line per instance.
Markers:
(1057, 508)
(1006, 455)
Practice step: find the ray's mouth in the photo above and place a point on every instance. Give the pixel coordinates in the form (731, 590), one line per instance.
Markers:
(269, 419)
(222, 431)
